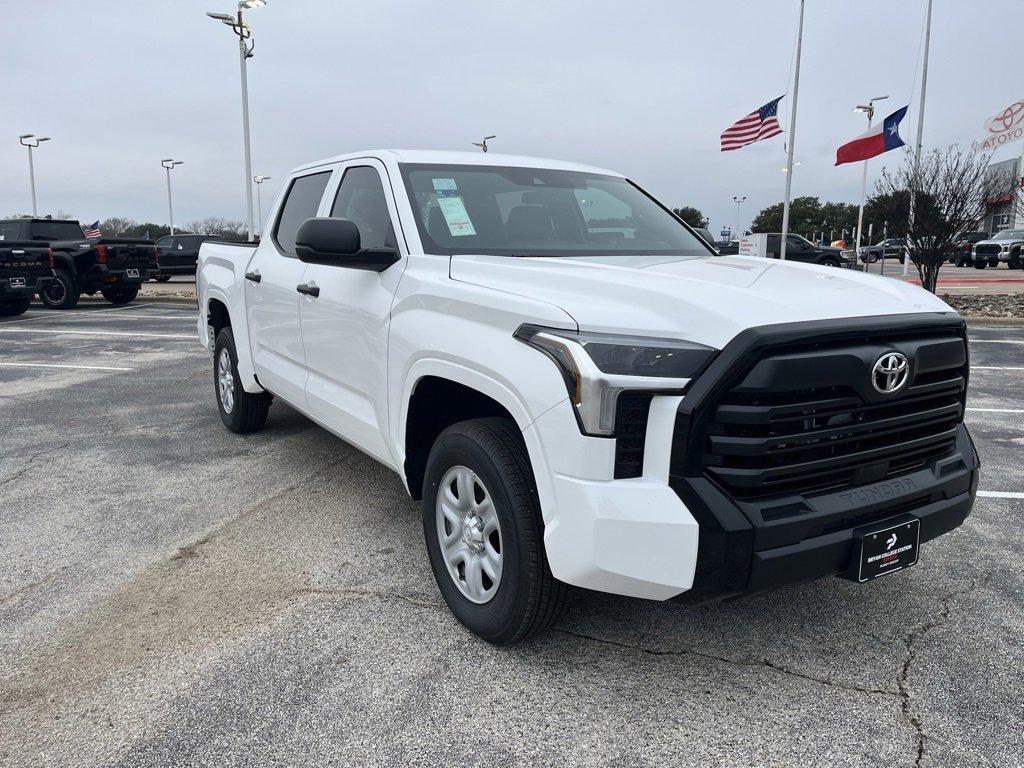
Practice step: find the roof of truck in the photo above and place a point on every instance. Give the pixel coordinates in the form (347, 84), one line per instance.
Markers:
(440, 157)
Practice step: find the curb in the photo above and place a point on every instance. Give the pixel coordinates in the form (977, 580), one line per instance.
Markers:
(1007, 321)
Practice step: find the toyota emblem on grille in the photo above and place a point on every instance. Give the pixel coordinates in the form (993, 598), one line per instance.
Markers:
(890, 372)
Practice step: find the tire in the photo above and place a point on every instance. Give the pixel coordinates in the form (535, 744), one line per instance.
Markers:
(120, 294)
(994, 263)
(525, 599)
(1015, 261)
(830, 262)
(162, 278)
(14, 307)
(242, 412)
(980, 264)
(62, 293)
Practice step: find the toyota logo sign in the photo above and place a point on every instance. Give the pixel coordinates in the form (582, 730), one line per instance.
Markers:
(890, 372)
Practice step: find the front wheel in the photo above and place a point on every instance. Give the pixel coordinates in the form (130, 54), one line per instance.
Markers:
(993, 263)
(484, 532)
(162, 278)
(1015, 261)
(240, 411)
(980, 264)
(14, 307)
(830, 262)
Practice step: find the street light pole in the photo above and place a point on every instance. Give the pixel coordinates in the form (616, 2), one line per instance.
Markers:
(739, 202)
(259, 201)
(920, 134)
(31, 141)
(869, 110)
(169, 164)
(244, 33)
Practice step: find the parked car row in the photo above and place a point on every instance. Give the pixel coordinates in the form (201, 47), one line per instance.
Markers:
(54, 259)
(977, 249)
(178, 254)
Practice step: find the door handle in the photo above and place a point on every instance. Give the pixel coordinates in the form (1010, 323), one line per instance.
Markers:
(253, 276)
(309, 290)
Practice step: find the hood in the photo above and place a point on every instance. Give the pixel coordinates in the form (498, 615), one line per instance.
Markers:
(707, 299)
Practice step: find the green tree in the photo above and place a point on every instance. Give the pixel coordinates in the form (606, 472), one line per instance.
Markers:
(691, 216)
(804, 217)
(889, 212)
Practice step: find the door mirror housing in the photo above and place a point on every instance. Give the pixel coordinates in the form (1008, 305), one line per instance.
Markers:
(336, 243)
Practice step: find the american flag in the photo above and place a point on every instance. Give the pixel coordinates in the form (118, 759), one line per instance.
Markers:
(92, 232)
(760, 124)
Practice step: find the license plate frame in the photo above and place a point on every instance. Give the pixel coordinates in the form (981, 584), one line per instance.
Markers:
(886, 548)
(132, 272)
(17, 282)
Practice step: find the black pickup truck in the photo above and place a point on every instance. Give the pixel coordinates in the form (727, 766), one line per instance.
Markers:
(113, 267)
(25, 269)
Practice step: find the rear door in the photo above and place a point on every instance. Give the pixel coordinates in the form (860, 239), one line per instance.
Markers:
(271, 298)
(345, 327)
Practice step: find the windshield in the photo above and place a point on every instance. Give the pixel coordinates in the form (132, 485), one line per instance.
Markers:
(1010, 234)
(506, 211)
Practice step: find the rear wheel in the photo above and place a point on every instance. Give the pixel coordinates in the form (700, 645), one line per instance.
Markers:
(484, 532)
(13, 307)
(240, 411)
(120, 294)
(162, 278)
(1015, 261)
(61, 293)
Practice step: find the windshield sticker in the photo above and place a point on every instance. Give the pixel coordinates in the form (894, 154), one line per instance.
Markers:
(452, 208)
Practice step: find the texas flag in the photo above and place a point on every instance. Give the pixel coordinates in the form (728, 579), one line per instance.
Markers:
(877, 140)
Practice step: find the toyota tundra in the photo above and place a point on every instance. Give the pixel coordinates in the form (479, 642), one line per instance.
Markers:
(580, 391)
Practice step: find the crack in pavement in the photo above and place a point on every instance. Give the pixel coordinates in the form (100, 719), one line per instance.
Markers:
(27, 465)
(906, 699)
(741, 662)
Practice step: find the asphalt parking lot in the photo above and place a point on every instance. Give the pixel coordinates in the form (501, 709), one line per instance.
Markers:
(173, 594)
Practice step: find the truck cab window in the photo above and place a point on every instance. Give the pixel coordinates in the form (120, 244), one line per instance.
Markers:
(301, 203)
(361, 200)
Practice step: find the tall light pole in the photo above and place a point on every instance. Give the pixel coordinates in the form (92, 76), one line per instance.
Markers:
(259, 202)
(243, 31)
(869, 110)
(739, 202)
(32, 141)
(169, 164)
(920, 133)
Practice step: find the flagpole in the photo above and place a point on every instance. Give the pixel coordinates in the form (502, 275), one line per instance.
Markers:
(792, 136)
(920, 132)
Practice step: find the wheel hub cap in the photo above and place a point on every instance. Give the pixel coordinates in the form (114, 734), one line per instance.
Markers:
(225, 381)
(469, 534)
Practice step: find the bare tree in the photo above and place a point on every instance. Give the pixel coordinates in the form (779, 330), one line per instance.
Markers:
(117, 226)
(950, 189)
(215, 225)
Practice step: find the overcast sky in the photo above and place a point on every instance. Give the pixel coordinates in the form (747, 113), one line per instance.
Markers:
(642, 87)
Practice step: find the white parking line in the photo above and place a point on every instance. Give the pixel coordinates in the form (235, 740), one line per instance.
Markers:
(56, 313)
(997, 368)
(56, 331)
(1001, 494)
(997, 410)
(997, 341)
(55, 365)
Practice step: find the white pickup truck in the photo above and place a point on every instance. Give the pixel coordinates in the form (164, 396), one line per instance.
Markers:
(581, 392)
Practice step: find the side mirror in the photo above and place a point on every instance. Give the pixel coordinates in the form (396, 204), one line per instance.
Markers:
(335, 243)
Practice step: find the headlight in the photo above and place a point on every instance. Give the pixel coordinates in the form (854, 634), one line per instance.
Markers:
(597, 367)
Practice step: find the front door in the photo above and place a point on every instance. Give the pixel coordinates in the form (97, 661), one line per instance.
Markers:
(345, 327)
(271, 301)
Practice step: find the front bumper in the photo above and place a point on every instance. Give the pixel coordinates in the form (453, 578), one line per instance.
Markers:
(744, 550)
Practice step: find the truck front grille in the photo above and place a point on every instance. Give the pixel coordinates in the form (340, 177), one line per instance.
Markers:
(987, 250)
(805, 420)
